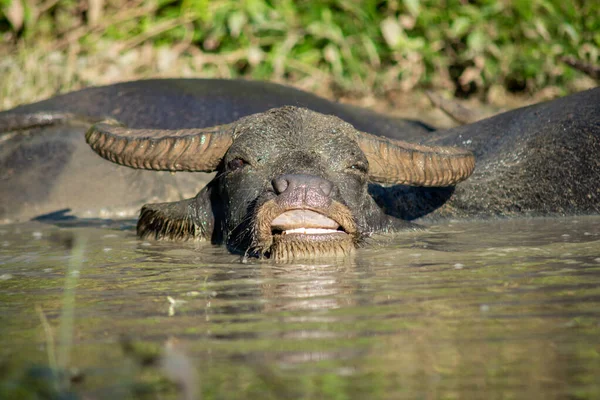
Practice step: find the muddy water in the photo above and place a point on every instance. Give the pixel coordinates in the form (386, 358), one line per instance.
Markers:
(501, 309)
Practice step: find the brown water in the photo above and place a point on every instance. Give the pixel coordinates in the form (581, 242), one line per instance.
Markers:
(490, 310)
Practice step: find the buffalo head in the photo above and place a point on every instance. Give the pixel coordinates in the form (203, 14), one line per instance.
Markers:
(290, 183)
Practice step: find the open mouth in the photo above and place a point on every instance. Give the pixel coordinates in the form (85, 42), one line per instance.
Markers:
(305, 223)
(300, 233)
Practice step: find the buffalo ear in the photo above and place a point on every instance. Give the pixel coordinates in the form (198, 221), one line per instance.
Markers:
(190, 219)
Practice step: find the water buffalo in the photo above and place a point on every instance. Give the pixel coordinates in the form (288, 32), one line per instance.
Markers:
(292, 182)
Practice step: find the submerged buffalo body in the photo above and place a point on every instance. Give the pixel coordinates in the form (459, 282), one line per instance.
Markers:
(297, 176)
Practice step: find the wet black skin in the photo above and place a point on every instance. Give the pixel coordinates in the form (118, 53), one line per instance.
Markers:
(198, 103)
(537, 160)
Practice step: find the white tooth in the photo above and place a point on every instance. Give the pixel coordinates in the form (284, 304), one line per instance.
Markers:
(310, 231)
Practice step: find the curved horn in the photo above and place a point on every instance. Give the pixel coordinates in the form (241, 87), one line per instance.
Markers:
(164, 150)
(402, 163)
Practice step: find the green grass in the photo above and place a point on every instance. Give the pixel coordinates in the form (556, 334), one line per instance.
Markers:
(351, 46)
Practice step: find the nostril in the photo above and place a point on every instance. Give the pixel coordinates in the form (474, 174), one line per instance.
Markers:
(326, 187)
(300, 183)
(280, 185)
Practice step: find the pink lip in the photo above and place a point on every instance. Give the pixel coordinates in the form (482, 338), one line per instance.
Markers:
(297, 220)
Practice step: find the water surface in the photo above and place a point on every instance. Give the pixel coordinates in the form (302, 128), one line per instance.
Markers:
(492, 309)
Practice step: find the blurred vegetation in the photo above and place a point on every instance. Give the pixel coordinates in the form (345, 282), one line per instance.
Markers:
(356, 46)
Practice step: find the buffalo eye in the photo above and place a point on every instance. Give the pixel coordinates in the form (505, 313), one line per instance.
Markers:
(359, 167)
(236, 163)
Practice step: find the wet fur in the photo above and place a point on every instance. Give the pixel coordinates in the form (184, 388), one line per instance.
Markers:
(154, 224)
(264, 245)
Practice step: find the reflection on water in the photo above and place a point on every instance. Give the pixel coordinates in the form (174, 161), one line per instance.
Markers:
(495, 309)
